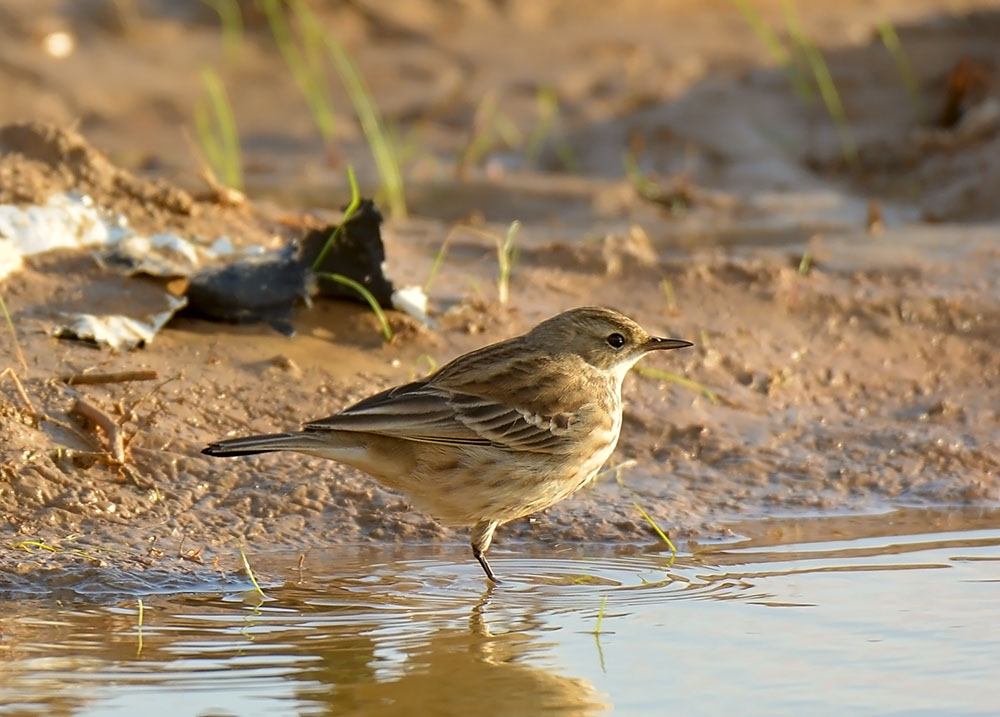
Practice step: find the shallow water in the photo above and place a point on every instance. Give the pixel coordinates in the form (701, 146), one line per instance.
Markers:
(903, 621)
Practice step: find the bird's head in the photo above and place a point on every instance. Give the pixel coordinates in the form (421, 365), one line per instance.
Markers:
(604, 338)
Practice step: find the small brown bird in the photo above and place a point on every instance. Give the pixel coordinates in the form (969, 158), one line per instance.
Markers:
(499, 433)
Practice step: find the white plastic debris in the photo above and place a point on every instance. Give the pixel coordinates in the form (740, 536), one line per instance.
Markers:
(116, 330)
(413, 301)
(66, 220)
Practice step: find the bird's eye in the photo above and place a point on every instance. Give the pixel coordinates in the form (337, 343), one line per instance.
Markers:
(615, 341)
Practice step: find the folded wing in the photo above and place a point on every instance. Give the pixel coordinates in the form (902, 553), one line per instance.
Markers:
(423, 412)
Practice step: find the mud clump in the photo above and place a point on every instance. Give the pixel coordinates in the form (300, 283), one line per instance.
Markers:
(39, 159)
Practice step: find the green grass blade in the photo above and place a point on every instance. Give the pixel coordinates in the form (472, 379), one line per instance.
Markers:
(246, 566)
(657, 373)
(505, 259)
(366, 295)
(600, 614)
(887, 31)
(659, 531)
(13, 335)
(824, 81)
(306, 72)
(438, 260)
(382, 149)
(232, 27)
(352, 207)
(776, 49)
(217, 131)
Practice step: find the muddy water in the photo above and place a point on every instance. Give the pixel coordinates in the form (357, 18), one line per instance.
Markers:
(878, 621)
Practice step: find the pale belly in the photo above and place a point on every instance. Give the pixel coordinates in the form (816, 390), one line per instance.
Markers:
(489, 487)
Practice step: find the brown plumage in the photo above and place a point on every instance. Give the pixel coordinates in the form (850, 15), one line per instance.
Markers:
(499, 433)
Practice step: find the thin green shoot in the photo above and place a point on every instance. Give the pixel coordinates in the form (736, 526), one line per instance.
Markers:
(650, 372)
(439, 258)
(489, 124)
(548, 116)
(643, 185)
(676, 199)
(306, 71)
(369, 116)
(703, 339)
(618, 469)
(217, 131)
(416, 370)
(232, 27)
(805, 263)
(506, 254)
(21, 393)
(138, 629)
(13, 335)
(659, 531)
(600, 614)
(383, 152)
(366, 295)
(668, 291)
(824, 80)
(352, 207)
(507, 129)
(481, 133)
(505, 259)
(887, 31)
(28, 544)
(246, 566)
(776, 48)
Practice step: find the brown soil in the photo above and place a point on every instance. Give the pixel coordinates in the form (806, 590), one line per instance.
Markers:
(869, 378)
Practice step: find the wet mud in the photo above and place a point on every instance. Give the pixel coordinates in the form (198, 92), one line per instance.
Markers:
(846, 318)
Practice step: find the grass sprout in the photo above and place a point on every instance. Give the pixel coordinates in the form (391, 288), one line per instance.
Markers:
(481, 134)
(138, 628)
(548, 117)
(490, 126)
(370, 118)
(776, 48)
(505, 259)
(643, 185)
(670, 294)
(246, 566)
(307, 71)
(659, 531)
(650, 372)
(432, 365)
(887, 32)
(352, 207)
(232, 27)
(506, 255)
(824, 81)
(29, 544)
(600, 614)
(379, 312)
(218, 135)
(805, 263)
(439, 258)
(13, 335)
(358, 287)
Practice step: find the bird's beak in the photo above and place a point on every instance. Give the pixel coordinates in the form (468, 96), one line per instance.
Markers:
(658, 344)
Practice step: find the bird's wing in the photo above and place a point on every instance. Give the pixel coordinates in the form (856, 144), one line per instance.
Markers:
(423, 412)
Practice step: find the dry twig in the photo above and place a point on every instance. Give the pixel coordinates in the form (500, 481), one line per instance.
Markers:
(116, 444)
(78, 379)
(19, 388)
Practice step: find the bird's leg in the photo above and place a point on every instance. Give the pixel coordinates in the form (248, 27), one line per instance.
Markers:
(482, 536)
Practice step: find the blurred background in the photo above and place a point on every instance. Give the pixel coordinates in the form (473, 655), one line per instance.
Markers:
(439, 104)
(806, 190)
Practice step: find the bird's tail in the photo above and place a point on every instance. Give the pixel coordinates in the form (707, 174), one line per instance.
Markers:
(251, 445)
